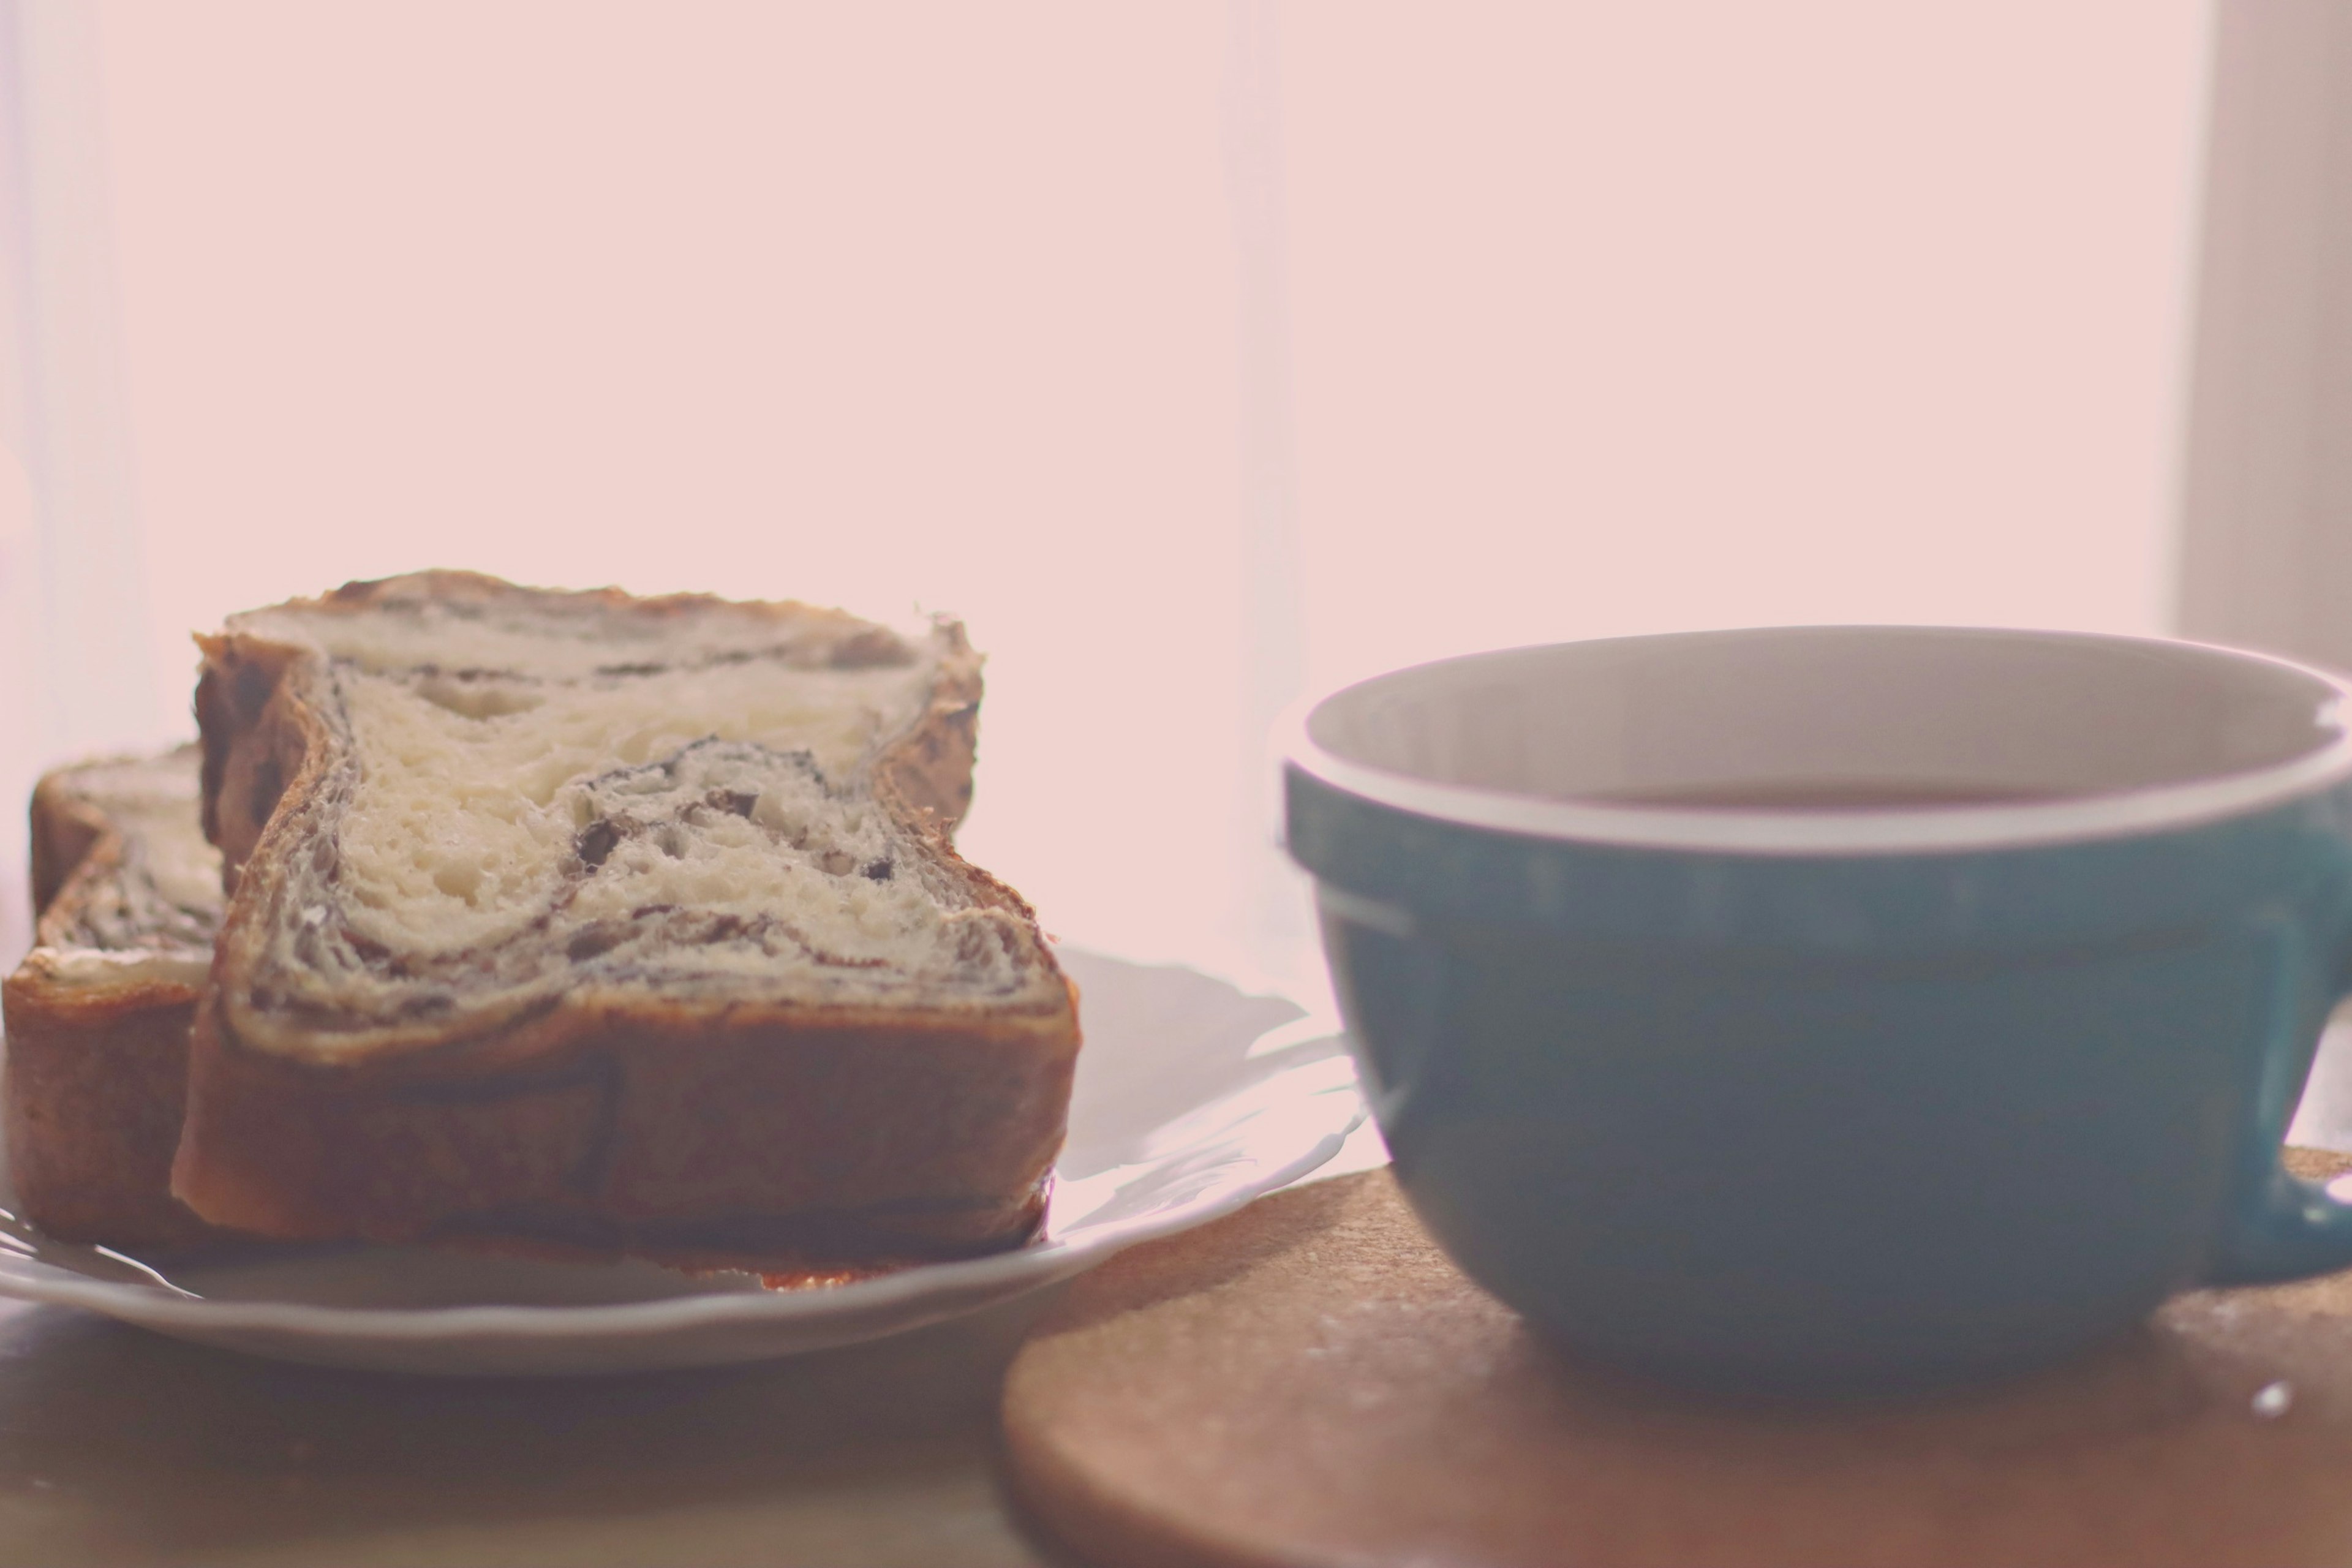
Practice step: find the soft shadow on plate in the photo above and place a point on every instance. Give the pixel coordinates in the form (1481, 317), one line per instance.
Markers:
(1191, 1098)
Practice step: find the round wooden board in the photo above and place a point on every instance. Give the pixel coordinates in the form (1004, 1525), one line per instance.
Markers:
(1310, 1383)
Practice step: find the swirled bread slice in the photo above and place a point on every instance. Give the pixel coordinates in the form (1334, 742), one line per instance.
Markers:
(628, 923)
(128, 895)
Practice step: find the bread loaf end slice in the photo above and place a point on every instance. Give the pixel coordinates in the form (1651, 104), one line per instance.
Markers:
(127, 897)
(623, 924)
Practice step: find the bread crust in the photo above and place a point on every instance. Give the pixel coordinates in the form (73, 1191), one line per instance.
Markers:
(650, 1134)
(96, 1077)
(603, 1119)
(65, 829)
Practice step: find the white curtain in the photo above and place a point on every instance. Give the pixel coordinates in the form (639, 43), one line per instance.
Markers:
(1195, 355)
(75, 637)
(2267, 541)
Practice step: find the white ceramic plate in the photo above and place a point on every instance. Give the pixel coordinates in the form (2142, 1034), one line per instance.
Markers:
(1191, 1099)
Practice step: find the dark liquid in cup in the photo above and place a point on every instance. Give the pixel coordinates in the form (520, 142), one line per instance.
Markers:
(1830, 794)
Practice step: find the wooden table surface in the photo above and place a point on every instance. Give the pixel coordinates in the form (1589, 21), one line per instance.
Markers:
(118, 1448)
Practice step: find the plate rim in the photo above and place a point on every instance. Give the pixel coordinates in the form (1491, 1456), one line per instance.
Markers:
(951, 1283)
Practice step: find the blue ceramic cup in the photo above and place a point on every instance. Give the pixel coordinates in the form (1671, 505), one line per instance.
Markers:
(1840, 1009)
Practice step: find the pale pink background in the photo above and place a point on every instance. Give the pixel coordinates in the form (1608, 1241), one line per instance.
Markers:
(1596, 318)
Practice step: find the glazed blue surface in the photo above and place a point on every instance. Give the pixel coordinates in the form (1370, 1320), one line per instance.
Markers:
(1831, 1123)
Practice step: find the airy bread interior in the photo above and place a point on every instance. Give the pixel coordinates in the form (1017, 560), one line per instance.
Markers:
(148, 909)
(540, 792)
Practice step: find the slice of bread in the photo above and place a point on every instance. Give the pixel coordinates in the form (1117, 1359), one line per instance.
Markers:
(626, 924)
(128, 896)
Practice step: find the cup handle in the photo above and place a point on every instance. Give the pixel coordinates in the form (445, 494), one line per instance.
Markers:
(2295, 1228)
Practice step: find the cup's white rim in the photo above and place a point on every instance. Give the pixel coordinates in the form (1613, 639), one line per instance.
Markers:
(1910, 831)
